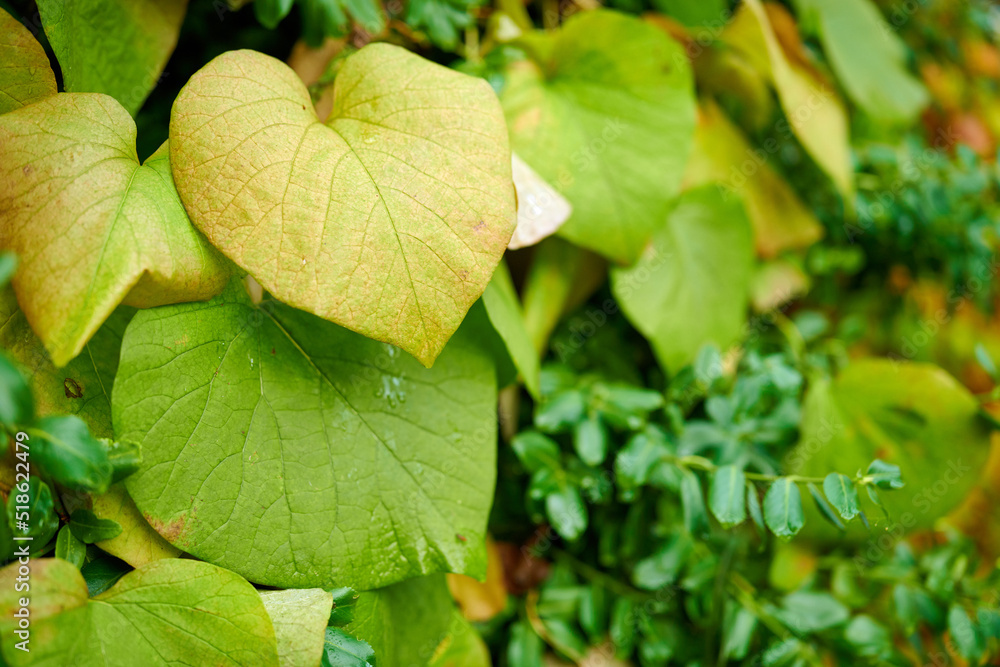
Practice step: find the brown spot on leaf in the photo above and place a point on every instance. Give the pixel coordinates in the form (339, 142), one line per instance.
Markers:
(174, 531)
(479, 226)
(27, 169)
(72, 388)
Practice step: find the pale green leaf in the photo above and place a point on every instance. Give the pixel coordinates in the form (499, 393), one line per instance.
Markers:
(966, 635)
(727, 495)
(783, 508)
(115, 47)
(26, 75)
(91, 227)
(842, 494)
(908, 414)
(693, 502)
(604, 112)
(691, 284)
(174, 611)
(289, 449)
(504, 310)
(867, 56)
(389, 219)
(299, 617)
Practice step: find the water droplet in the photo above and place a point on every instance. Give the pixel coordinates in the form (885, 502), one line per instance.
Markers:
(391, 390)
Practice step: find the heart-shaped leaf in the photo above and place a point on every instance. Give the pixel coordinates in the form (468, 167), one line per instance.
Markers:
(26, 75)
(605, 113)
(91, 227)
(690, 285)
(174, 611)
(389, 219)
(298, 453)
(116, 47)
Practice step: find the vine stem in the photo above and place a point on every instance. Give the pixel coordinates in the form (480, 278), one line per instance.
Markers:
(531, 612)
(696, 462)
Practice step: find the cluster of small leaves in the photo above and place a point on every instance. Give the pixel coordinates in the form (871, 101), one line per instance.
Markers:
(938, 217)
(644, 550)
(441, 20)
(730, 448)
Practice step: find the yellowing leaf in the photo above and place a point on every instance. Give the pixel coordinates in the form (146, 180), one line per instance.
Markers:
(116, 47)
(138, 544)
(299, 617)
(723, 156)
(171, 612)
(813, 111)
(604, 112)
(388, 219)
(83, 388)
(26, 75)
(92, 229)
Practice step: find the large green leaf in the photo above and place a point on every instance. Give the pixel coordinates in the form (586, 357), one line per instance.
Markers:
(298, 453)
(173, 611)
(405, 623)
(26, 75)
(868, 57)
(116, 47)
(299, 617)
(605, 113)
(388, 219)
(690, 285)
(915, 416)
(83, 388)
(92, 228)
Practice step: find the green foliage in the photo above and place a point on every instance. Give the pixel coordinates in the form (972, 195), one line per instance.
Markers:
(691, 430)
